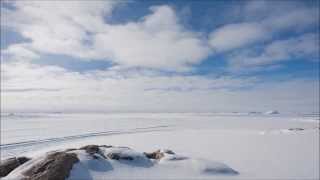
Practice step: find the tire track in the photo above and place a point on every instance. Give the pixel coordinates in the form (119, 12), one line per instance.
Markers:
(80, 136)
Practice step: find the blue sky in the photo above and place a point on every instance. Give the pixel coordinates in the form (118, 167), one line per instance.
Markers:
(191, 53)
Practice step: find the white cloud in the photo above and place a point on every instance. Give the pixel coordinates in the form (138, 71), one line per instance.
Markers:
(18, 51)
(295, 20)
(234, 36)
(78, 29)
(305, 46)
(262, 25)
(158, 41)
(56, 27)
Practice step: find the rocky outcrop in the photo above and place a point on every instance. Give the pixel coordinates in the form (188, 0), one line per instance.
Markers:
(154, 155)
(119, 156)
(91, 149)
(55, 166)
(8, 165)
(94, 149)
(158, 154)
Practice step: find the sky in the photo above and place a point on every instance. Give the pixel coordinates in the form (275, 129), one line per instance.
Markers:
(160, 56)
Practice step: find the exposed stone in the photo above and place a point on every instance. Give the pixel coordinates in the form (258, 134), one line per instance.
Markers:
(296, 129)
(106, 146)
(55, 166)
(91, 149)
(123, 147)
(226, 171)
(168, 151)
(154, 155)
(70, 149)
(177, 158)
(119, 156)
(8, 165)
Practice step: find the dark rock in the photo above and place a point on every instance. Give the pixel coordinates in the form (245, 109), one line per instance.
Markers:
(177, 158)
(8, 165)
(119, 156)
(154, 155)
(106, 146)
(91, 149)
(168, 151)
(225, 171)
(70, 149)
(123, 147)
(55, 166)
(296, 129)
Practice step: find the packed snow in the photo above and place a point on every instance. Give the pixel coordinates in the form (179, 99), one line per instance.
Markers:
(254, 145)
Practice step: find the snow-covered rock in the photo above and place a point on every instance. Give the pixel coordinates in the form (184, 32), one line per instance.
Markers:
(6, 166)
(98, 162)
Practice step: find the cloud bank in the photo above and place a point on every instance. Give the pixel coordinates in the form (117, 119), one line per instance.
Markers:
(108, 91)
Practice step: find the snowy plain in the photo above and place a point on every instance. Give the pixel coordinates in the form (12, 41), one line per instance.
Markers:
(257, 146)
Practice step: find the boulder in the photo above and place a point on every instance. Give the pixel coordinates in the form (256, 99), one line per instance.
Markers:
(225, 170)
(154, 155)
(271, 112)
(8, 165)
(168, 151)
(106, 146)
(119, 156)
(92, 150)
(295, 129)
(70, 149)
(55, 166)
(176, 158)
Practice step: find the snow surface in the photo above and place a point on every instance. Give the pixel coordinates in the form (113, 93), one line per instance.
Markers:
(258, 146)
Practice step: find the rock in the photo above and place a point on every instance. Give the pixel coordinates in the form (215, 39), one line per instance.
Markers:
(106, 146)
(55, 166)
(119, 156)
(295, 129)
(8, 165)
(154, 155)
(272, 112)
(177, 158)
(91, 149)
(168, 151)
(226, 171)
(70, 149)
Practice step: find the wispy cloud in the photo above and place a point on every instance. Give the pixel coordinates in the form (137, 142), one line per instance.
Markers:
(305, 46)
(239, 35)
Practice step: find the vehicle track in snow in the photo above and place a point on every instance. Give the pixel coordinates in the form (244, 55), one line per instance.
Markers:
(10, 149)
